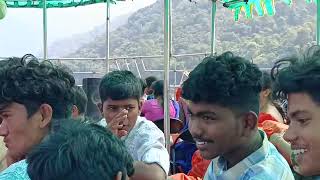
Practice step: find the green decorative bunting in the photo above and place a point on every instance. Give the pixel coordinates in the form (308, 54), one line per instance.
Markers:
(53, 3)
(262, 7)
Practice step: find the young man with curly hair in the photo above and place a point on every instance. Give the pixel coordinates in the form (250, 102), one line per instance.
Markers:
(80, 151)
(223, 102)
(298, 80)
(33, 95)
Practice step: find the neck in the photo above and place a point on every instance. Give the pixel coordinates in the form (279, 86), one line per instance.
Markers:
(269, 108)
(244, 150)
(265, 107)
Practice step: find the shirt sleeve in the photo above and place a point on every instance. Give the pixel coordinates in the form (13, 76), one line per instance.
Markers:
(17, 171)
(150, 146)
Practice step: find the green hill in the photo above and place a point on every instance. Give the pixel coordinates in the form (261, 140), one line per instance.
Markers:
(262, 39)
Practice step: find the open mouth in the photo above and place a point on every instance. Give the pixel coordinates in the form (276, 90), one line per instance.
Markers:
(297, 157)
(201, 144)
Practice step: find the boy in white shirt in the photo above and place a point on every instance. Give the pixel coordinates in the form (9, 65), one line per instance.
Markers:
(120, 94)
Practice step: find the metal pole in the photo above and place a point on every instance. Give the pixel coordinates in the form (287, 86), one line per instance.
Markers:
(167, 46)
(318, 22)
(213, 26)
(108, 36)
(45, 32)
(175, 78)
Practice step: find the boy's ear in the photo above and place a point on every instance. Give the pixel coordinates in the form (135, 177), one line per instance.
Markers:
(140, 104)
(119, 175)
(100, 107)
(250, 122)
(75, 111)
(46, 113)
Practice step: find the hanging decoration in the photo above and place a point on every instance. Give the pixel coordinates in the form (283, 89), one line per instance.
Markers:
(262, 7)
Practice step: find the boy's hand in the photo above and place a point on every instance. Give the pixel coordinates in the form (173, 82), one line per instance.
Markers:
(116, 123)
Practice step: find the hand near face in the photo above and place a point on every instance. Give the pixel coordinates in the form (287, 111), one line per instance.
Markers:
(117, 123)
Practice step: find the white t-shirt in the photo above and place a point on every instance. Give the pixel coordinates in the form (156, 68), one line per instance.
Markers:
(146, 143)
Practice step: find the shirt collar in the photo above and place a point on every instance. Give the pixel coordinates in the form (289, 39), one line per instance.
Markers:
(256, 156)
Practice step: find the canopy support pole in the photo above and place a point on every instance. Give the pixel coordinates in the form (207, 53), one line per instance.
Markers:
(318, 22)
(167, 54)
(45, 32)
(108, 36)
(213, 27)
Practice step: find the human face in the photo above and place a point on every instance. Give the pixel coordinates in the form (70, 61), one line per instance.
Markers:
(20, 133)
(131, 107)
(216, 129)
(303, 133)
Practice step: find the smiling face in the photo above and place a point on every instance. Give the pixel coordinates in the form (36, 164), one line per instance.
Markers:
(303, 133)
(20, 133)
(216, 129)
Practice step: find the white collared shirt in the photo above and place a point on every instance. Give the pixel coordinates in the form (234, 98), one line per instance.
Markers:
(146, 143)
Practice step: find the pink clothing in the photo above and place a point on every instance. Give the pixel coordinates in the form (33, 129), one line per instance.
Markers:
(153, 111)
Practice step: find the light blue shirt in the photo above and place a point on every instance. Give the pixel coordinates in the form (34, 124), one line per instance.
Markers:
(266, 163)
(17, 171)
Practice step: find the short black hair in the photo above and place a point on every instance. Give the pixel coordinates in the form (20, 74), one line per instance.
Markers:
(227, 80)
(79, 151)
(30, 82)
(150, 80)
(143, 85)
(266, 81)
(120, 85)
(298, 75)
(157, 88)
(80, 99)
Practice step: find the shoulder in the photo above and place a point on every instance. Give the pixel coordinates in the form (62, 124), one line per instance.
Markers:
(144, 136)
(272, 167)
(17, 171)
(147, 103)
(147, 128)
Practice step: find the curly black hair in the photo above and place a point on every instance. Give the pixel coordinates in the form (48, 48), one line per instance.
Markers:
(80, 99)
(32, 83)
(79, 151)
(298, 74)
(150, 80)
(143, 85)
(227, 80)
(120, 85)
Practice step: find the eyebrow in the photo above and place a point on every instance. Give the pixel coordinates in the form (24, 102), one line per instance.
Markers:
(202, 112)
(3, 107)
(296, 113)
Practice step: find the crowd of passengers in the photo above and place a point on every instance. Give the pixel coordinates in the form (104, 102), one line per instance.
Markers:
(245, 124)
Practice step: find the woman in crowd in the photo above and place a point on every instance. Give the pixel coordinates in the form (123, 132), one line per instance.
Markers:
(153, 108)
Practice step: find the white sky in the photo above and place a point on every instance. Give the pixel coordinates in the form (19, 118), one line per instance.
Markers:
(21, 29)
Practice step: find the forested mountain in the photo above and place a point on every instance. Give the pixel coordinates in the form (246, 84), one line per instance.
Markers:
(261, 39)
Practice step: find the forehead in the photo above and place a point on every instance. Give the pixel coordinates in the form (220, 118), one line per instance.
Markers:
(301, 102)
(203, 107)
(11, 106)
(124, 102)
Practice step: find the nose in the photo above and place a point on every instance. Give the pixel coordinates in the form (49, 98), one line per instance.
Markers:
(291, 134)
(195, 128)
(3, 129)
(126, 120)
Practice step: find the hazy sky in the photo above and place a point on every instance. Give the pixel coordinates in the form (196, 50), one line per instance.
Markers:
(21, 29)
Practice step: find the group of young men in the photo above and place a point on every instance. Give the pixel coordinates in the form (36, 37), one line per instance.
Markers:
(222, 94)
